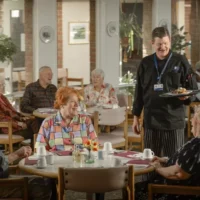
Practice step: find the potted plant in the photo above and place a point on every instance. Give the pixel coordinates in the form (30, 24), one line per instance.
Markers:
(179, 42)
(128, 27)
(7, 48)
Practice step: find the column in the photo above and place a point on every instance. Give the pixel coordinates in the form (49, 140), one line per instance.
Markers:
(107, 39)
(161, 13)
(45, 26)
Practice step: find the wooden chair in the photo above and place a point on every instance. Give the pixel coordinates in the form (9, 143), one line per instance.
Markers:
(64, 79)
(190, 111)
(13, 182)
(34, 141)
(19, 76)
(96, 180)
(136, 141)
(172, 189)
(112, 117)
(9, 139)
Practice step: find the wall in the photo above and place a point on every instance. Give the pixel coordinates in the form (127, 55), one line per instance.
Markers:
(107, 46)
(76, 57)
(161, 13)
(44, 54)
(7, 7)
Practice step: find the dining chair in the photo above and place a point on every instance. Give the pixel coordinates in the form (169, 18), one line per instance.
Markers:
(64, 79)
(97, 180)
(112, 117)
(9, 139)
(15, 182)
(136, 141)
(172, 189)
(34, 141)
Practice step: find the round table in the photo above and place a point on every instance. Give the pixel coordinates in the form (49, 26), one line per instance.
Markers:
(44, 113)
(51, 171)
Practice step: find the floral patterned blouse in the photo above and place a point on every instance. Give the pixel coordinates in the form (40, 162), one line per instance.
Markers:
(106, 95)
(56, 135)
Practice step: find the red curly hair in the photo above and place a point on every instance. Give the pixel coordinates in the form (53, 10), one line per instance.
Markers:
(63, 94)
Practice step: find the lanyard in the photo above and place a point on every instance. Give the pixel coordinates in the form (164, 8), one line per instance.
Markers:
(164, 68)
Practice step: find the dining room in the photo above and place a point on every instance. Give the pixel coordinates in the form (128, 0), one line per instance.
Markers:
(53, 36)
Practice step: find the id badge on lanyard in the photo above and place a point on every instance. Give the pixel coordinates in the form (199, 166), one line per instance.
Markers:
(159, 86)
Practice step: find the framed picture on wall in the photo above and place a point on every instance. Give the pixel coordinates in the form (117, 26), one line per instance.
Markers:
(78, 32)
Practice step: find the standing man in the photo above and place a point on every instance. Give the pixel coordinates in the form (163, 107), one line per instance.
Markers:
(39, 94)
(164, 118)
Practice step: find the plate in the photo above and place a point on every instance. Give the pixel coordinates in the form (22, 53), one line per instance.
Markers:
(187, 93)
(107, 106)
(46, 110)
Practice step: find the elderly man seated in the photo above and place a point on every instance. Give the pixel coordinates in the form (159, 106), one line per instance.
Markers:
(99, 93)
(38, 187)
(39, 94)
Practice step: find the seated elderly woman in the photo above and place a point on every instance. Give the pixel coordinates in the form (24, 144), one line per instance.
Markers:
(67, 127)
(181, 169)
(20, 124)
(99, 92)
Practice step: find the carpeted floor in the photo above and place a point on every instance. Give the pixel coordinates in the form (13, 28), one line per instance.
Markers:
(70, 195)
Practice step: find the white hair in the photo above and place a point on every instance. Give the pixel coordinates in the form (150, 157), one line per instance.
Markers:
(98, 71)
(44, 68)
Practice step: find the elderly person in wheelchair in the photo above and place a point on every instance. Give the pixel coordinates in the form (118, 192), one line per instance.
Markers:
(181, 169)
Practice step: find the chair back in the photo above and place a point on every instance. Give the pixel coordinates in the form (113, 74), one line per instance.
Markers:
(19, 182)
(9, 139)
(62, 76)
(96, 180)
(111, 117)
(172, 189)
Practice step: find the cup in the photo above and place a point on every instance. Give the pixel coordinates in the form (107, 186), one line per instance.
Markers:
(101, 154)
(50, 159)
(107, 146)
(41, 151)
(42, 162)
(148, 154)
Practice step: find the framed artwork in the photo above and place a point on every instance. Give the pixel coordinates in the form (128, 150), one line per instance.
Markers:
(78, 32)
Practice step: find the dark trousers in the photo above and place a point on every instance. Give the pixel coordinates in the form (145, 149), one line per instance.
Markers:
(99, 196)
(163, 141)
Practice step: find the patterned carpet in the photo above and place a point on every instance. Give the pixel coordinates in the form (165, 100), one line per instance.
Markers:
(70, 195)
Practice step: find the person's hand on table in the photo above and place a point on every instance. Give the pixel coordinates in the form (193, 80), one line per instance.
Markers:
(159, 159)
(156, 164)
(22, 124)
(23, 152)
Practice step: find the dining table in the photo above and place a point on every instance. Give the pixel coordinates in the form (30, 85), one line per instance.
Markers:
(46, 112)
(65, 159)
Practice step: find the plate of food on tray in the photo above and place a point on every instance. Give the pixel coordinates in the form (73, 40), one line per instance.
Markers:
(179, 92)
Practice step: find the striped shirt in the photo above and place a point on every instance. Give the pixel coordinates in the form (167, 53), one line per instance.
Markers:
(35, 96)
(56, 135)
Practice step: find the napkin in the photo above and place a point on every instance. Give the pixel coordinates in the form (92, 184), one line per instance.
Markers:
(30, 162)
(125, 154)
(63, 153)
(141, 162)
